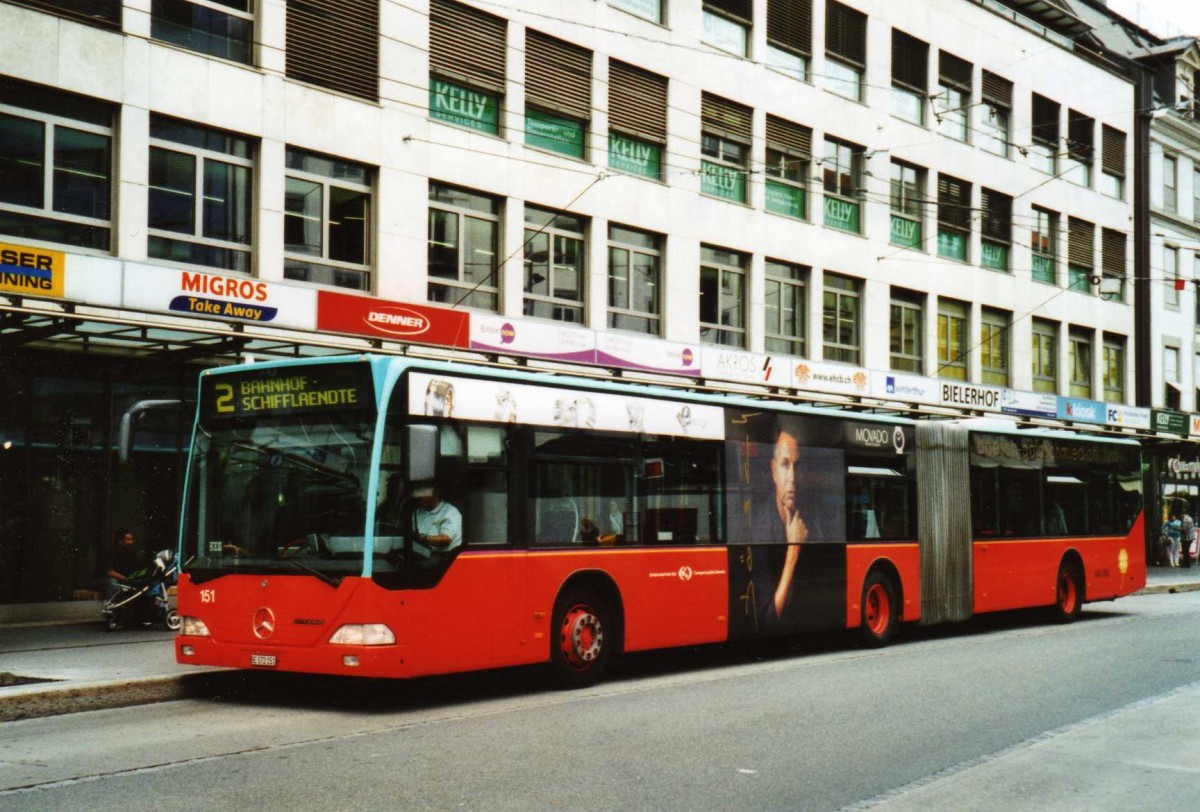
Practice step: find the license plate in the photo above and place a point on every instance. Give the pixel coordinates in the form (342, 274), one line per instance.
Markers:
(265, 660)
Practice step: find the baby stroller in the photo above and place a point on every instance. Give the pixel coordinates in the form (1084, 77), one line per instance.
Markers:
(144, 599)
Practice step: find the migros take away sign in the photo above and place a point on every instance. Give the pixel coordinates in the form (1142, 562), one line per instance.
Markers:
(28, 271)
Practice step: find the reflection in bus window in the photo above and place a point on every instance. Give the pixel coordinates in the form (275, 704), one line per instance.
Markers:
(880, 500)
(679, 496)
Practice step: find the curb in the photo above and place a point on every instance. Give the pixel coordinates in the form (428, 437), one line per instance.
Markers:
(1168, 589)
(37, 701)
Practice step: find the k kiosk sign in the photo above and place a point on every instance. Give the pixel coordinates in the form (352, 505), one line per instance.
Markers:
(396, 321)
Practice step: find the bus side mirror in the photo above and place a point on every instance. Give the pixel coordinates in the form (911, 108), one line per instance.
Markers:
(422, 441)
(134, 412)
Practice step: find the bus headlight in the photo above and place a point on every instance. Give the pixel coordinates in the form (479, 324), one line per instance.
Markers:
(363, 634)
(193, 627)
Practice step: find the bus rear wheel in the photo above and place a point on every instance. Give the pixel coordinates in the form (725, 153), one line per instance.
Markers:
(1068, 593)
(880, 610)
(583, 638)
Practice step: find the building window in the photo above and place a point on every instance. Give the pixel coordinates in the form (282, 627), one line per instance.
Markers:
(845, 50)
(1081, 136)
(223, 28)
(907, 330)
(953, 345)
(1045, 356)
(467, 57)
(1079, 356)
(327, 221)
(201, 205)
(634, 271)
(789, 152)
(637, 120)
(995, 126)
(993, 346)
(784, 304)
(558, 94)
(1112, 162)
(722, 297)
(1170, 184)
(464, 241)
(842, 174)
(648, 9)
(1171, 391)
(101, 13)
(1081, 254)
(55, 166)
(841, 312)
(789, 36)
(953, 99)
(1114, 369)
(725, 145)
(1043, 152)
(555, 279)
(726, 25)
(1112, 262)
(996, 229)
(954, 218)
(1195, 194)
(910, 77)
(908, 205)
(1170, 276)
(335, 45)
(1045, 246)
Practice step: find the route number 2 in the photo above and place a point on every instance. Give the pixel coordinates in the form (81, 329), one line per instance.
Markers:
(224, 397)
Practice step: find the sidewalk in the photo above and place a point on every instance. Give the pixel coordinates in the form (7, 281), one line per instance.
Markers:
(78, 665)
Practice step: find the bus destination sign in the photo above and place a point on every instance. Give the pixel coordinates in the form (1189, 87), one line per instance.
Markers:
(279, 391)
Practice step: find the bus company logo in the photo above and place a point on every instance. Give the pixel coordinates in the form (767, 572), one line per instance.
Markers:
(398, 321)
(264, 623)
(685, 573)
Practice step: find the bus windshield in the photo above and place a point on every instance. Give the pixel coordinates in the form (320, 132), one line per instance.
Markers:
(278, 494)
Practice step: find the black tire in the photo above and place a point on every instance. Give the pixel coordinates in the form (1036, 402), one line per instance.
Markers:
(582, 637)
(1068, 593)
(172, 622)
(880, 610)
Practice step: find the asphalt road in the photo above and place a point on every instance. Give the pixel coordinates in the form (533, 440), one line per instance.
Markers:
(808, 724)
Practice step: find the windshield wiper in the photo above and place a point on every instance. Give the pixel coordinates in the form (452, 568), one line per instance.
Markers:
(328, 579)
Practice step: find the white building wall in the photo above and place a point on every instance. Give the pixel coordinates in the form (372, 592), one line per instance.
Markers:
(408, 149)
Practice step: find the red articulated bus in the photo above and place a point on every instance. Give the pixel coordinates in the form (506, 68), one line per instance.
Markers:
(389, 517)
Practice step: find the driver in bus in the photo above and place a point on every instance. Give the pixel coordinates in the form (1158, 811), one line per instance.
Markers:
(439, 524)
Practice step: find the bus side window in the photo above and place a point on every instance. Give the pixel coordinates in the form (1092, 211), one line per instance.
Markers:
(484, 486)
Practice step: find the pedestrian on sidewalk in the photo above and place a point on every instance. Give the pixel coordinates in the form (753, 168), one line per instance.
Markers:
(1187, 538)
(1171, 533)
(126, 557)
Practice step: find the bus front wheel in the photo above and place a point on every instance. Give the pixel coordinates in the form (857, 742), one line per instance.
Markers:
(583, 638)
(880, 610)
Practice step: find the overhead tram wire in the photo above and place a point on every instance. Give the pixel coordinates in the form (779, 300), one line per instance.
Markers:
(561, 210)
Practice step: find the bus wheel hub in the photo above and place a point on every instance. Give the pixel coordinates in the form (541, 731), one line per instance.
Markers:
(582, 636)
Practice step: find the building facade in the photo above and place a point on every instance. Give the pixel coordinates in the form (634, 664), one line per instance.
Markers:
(929, 204)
